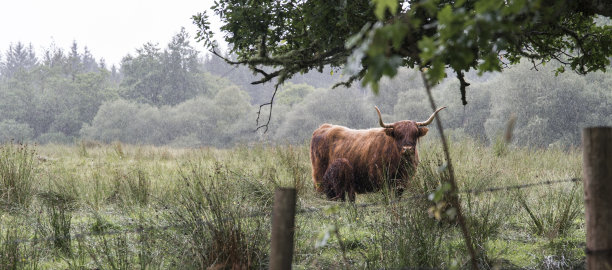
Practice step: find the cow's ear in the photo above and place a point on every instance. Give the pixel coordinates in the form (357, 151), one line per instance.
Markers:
(390, 132)
(423, 131)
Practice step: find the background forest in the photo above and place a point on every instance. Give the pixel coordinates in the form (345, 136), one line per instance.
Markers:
(173, 95)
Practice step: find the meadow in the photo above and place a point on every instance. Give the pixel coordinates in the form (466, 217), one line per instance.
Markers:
(117, 206)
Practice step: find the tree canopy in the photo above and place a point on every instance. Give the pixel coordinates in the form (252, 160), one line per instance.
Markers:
(167, 96)
(165, 77)
(370, 39)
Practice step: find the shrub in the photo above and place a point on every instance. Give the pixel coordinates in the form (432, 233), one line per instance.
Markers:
(336, 106)
(11, 130)
(54, 137)
(291, 93)
(220, 121)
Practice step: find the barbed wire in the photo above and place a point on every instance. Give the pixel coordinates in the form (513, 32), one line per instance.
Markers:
(517, 187)
(137, 230)
(303, 210)
(461, 192)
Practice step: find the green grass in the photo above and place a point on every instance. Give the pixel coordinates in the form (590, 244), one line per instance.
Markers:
(16, 176)
(143, 207)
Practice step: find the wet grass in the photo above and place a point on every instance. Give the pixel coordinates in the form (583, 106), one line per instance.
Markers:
(140, 207)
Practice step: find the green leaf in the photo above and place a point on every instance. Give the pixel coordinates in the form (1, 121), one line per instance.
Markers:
(437, 71)
(438, 195)
(382, 5)
(559, 70)
(488, 5)
(515, 6)
(430, 5)
(445, 16)
(397, 33)
(428, 47)
(460, 3)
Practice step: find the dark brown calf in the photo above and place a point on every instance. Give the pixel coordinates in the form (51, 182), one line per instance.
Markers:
(338, 180)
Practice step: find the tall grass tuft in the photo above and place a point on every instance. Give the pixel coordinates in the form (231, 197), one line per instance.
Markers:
(16, 175)
(215, 230)
(553, 213)
(125, 250)
(59, 207)
(259, 193)
(118, 148)
(15, 254)
(10, 257)
(500, 147)
(484, 222)
(79, 258)
(411, 238)
(140, 186)
(290, 159)
(131, 187)
(98, 191)
(82, 149)
(112, 252)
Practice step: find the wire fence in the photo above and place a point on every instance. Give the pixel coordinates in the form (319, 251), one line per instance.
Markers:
(461, 192)
(308, 210)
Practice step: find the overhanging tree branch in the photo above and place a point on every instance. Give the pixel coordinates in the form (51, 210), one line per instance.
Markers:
(278, 39)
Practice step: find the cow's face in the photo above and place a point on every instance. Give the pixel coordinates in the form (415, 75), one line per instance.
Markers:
(406, 134)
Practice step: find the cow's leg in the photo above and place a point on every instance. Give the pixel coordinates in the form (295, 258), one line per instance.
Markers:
(348, 181)
(351, 191)
(329, 183)
(340, 189)
(327, 187)
(319, 168)
(395, 186)
(399, 191)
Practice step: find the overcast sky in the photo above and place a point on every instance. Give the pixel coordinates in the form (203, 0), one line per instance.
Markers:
(110, 29)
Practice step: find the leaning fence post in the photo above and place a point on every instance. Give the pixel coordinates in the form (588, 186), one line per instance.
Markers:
(597, 179)
(283, 220)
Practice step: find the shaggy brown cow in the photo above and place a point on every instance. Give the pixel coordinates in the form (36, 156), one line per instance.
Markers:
(348, 160)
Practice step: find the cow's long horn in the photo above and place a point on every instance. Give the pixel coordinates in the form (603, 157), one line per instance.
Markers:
(382, 124)
(431, 118)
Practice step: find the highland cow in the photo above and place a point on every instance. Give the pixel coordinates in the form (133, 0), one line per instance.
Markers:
(353, 161)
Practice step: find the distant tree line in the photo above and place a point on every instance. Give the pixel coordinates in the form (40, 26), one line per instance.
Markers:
(549, 109)
(172, 95)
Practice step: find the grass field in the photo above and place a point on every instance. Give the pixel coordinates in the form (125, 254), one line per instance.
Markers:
(93, 206)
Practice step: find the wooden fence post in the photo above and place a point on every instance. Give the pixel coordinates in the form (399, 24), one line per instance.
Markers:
(283, 220)
(597, 179)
